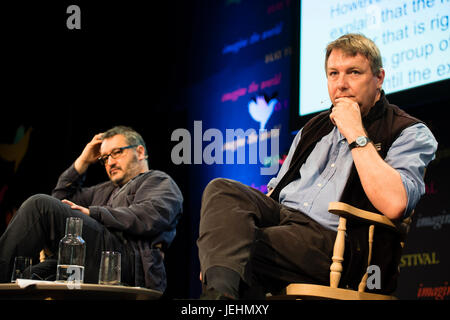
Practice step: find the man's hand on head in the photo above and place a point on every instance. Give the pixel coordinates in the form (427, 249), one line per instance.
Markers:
(90, 154)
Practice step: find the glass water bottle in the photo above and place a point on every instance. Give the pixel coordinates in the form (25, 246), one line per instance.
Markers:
(72, 252)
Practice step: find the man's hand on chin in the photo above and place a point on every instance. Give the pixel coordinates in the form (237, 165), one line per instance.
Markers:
(346, 115)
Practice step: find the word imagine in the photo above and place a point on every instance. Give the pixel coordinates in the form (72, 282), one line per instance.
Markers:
(254, 38)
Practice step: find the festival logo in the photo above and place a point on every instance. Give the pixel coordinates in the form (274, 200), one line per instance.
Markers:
(261, 110)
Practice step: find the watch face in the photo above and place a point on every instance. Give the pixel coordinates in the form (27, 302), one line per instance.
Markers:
(361, 141)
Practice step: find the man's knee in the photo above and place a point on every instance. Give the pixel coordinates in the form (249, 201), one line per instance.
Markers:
(218, 183)
(218, 186)
(36, 204)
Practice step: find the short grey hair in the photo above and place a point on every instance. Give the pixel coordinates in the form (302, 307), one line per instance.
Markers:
(354, 43)
(132, 137)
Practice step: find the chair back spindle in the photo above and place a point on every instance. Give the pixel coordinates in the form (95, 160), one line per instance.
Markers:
(338, 254)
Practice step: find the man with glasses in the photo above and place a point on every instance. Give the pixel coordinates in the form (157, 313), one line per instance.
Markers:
(135, 213)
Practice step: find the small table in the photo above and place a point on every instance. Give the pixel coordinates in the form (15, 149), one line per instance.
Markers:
(47, 290)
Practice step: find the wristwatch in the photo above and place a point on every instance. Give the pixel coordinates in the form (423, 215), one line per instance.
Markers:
(360, 141)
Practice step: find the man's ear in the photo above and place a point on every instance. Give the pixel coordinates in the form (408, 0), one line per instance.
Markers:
(380, 78)
(141, 152)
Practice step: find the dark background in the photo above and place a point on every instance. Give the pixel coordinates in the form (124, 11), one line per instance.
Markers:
(135, 64)
(122, 68)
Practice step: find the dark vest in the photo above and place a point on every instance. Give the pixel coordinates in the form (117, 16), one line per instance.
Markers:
(383, 124)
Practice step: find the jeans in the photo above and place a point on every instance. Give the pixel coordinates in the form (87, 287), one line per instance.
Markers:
(40, 223)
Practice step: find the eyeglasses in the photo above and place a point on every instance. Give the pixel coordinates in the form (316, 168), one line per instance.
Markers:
(115, 153)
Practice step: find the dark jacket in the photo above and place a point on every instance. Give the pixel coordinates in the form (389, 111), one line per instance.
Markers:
(145, 212)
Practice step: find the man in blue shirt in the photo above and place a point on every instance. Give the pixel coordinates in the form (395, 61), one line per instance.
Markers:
(363, 151)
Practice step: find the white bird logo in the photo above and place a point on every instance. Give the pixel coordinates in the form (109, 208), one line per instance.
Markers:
(261, 111)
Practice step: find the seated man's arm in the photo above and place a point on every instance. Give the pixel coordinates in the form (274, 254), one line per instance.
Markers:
(395, 185)
(382, 181)
(71, 181)
(154, 208)
(70, 186)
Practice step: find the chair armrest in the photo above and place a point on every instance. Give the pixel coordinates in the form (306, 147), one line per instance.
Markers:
(347, 211)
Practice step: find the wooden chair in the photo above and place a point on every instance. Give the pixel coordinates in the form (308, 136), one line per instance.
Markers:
(333, 291)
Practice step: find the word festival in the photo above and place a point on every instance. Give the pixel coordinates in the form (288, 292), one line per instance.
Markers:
(236, 141)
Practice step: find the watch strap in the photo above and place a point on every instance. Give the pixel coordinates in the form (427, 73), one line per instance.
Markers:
(354, 144)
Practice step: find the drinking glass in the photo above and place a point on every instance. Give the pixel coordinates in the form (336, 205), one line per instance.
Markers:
(22, 268)
(110, 268)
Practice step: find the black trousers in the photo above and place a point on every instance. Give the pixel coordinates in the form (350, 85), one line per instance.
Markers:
(40, 223)
(268, 244)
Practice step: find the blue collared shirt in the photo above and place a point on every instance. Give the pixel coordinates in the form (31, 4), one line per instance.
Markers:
(326, 171)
